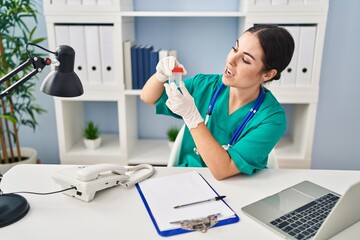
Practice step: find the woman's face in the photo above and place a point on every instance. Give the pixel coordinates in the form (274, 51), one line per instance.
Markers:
(244, 63)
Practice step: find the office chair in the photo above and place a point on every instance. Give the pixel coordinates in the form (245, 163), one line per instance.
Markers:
(174, 154)
(272, 162)
(175, 151)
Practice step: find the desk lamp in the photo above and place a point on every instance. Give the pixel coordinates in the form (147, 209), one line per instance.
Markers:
(61, 82)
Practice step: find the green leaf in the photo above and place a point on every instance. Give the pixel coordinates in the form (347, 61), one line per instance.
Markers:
(91, 131)
(7, 117)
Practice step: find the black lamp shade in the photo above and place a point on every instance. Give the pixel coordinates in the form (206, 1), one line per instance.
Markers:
(63, 81)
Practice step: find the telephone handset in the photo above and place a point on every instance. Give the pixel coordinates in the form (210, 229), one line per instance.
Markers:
(92, 172)
(89, 179)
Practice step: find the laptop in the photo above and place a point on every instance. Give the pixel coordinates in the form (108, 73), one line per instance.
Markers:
(307, 211)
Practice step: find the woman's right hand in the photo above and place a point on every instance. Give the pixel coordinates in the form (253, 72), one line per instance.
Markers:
(154, 87)
(165, 66)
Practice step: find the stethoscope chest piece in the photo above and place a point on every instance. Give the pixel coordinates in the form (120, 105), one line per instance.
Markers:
(196, 151)
(226, 147)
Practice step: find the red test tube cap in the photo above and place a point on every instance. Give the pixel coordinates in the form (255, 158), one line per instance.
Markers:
(178, 70)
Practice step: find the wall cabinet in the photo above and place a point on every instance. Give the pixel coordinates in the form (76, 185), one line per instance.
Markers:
(96, 29)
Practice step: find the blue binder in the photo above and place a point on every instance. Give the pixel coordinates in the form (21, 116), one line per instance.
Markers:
(147, 74)
(134, 67)
(176, 231)
(154, 59)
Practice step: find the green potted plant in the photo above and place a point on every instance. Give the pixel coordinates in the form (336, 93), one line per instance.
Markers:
(172, 133)
(91, 133)
(20, 107)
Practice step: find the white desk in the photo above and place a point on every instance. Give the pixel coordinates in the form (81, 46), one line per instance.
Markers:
(119, 213)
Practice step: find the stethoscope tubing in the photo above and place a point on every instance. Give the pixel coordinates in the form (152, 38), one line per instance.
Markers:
(213, 99)
(247, 118)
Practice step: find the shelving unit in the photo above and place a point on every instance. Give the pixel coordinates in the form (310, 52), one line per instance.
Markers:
(124, 146)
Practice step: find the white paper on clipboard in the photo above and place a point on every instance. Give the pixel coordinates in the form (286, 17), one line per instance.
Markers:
(163, 193)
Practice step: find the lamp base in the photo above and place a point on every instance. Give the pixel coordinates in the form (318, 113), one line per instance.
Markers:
(13, 207)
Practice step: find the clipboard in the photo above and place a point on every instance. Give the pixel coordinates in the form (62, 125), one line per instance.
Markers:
(152, 192)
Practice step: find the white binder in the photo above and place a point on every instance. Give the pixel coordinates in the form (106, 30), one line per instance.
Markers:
(127, 64)
(288, 76)
(312, 2)
(296, 2)
(104, 2)
(279, 2)
(263, 2)
(62, 36)
(107, 54)
(59, 2)
(306, 55)
(77, 42)
(173, 53)
(89, 2)
(163, 53)
(73, 2)
(93, 54)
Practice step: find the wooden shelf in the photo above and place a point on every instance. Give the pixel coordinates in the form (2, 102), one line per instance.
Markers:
(109, 151)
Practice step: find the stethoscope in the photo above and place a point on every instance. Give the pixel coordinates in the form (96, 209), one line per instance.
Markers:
(242, 125)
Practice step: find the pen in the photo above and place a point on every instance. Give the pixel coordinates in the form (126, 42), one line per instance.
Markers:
(207, 200)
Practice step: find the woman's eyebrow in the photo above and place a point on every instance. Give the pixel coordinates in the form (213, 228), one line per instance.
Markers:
(248, 54)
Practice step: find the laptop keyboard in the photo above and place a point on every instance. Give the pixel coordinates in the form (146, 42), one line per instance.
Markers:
(303, 223)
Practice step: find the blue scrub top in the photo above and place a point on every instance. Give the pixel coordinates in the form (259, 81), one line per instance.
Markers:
(258, 138)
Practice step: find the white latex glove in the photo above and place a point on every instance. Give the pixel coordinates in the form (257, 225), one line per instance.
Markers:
(183, 104)
(165, 66)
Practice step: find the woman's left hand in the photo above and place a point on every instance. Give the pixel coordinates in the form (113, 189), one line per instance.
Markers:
(183, 104)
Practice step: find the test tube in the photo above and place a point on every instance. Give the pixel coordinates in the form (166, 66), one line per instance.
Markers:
(176, 76)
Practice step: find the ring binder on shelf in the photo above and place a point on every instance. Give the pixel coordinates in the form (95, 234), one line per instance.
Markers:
(161, 194)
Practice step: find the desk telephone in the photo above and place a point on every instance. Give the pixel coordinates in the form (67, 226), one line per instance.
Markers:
(89, 179)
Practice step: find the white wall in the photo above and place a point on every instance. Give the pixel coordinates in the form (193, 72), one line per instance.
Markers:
(337, 132)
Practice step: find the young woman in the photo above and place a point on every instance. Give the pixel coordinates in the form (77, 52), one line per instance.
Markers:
(245, 121)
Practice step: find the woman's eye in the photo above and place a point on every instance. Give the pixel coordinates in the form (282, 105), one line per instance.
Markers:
(247, 62)
(234, 49)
